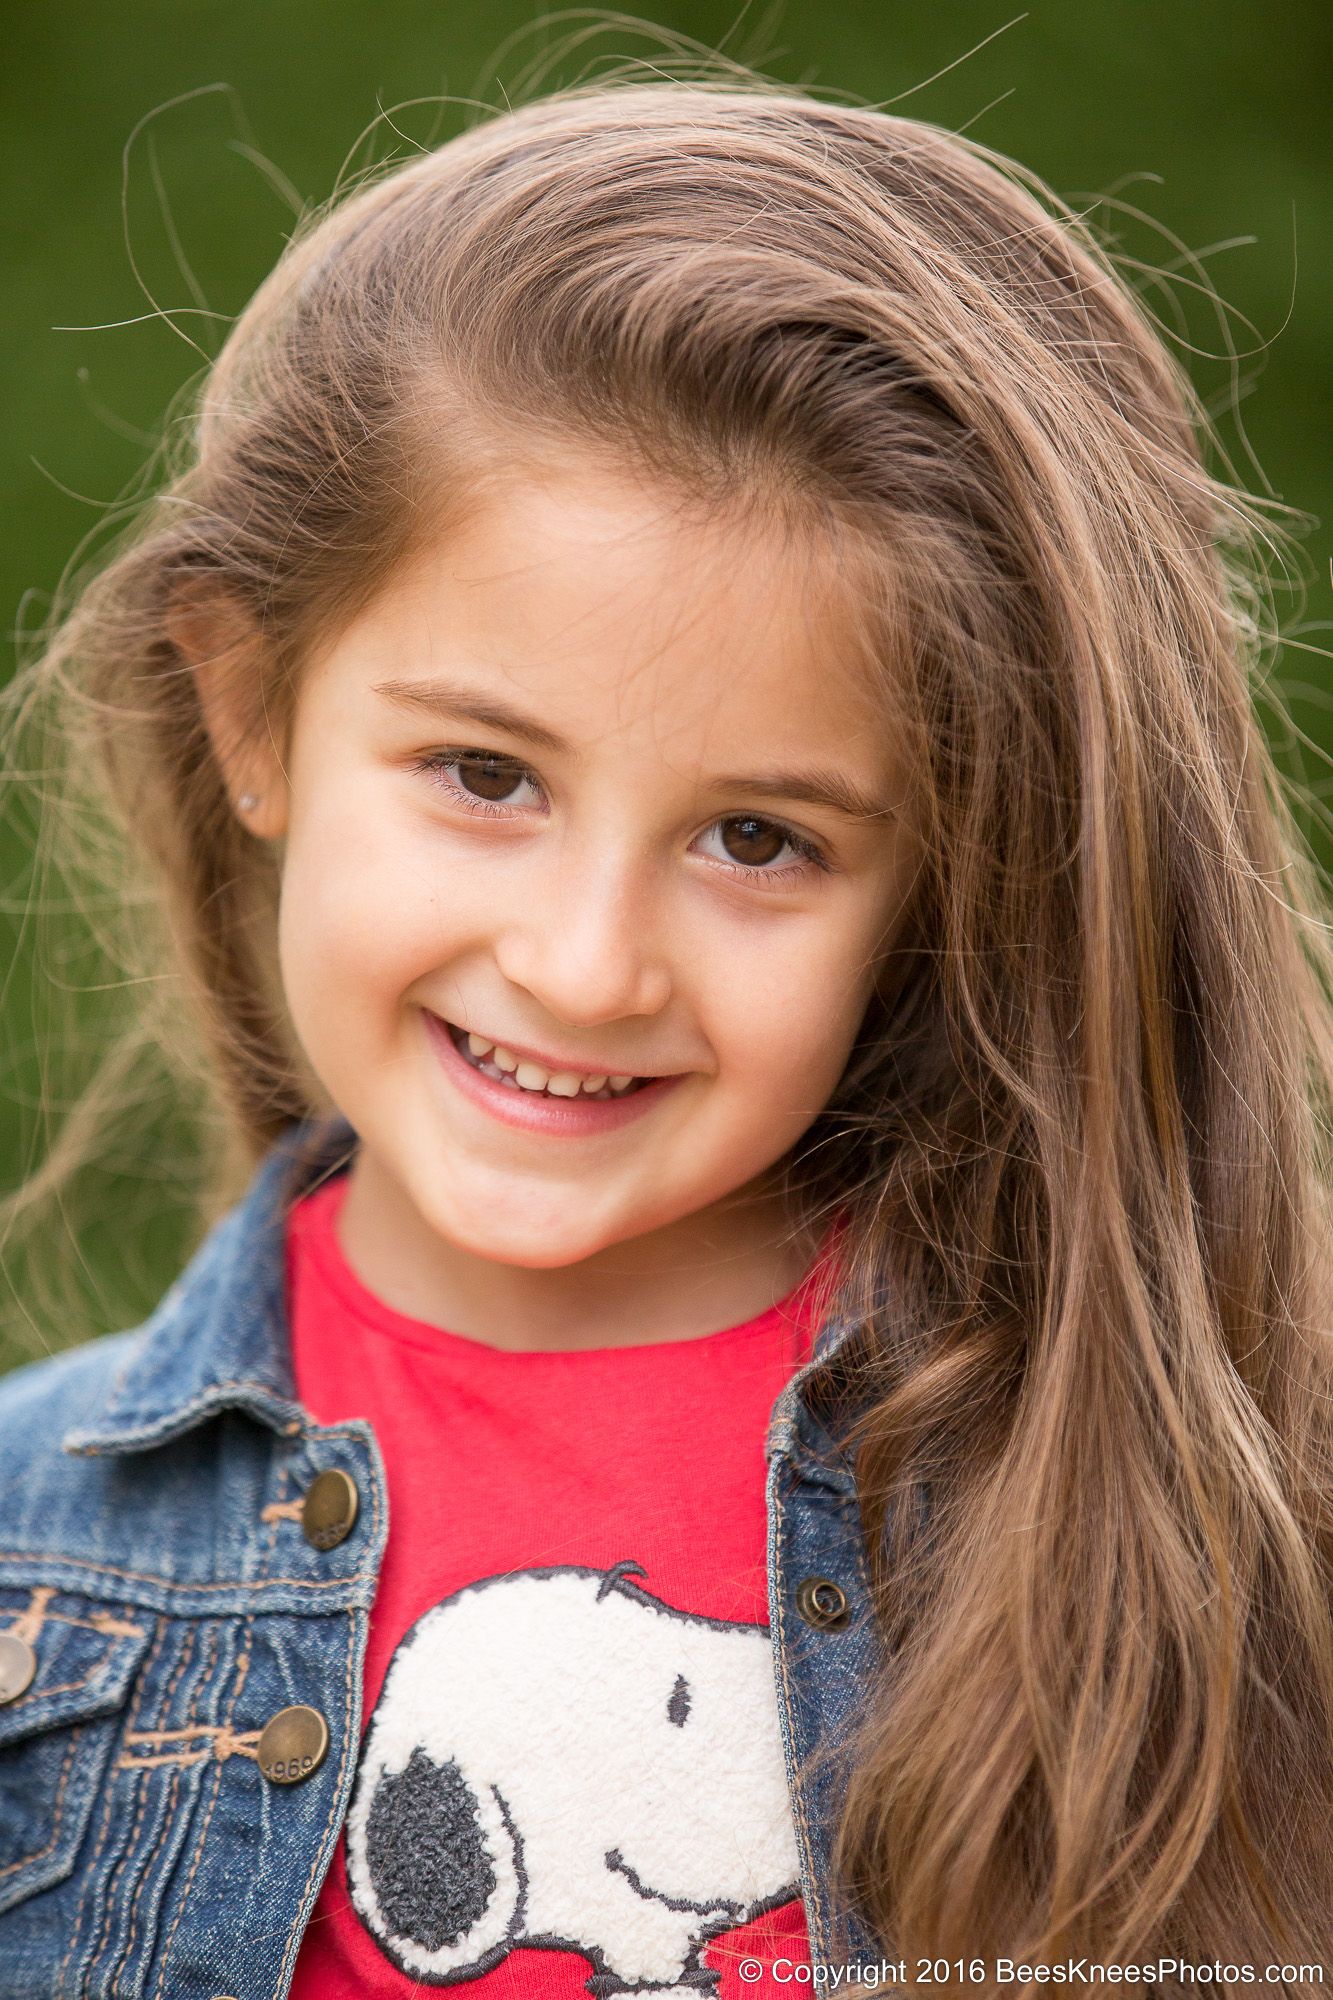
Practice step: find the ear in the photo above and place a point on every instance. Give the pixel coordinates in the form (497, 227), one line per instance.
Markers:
(434, 1867)
(218, 640)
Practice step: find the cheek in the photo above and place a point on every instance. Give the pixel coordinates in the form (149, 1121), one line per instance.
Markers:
(367, 884)
(359, 918)
(788, 1035)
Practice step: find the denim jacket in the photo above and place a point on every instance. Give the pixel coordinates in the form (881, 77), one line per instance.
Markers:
(160, 1601)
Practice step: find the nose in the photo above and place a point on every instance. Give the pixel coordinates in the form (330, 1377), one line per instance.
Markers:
(586, 942)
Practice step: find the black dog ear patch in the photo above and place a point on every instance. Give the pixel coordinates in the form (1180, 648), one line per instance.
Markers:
(426, 1854)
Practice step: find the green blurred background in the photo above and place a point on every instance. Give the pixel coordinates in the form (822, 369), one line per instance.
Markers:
(1203, 123)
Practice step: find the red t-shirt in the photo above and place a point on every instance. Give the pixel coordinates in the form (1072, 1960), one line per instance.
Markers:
(571, 1762)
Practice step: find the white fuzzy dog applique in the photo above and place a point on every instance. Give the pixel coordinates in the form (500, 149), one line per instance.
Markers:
(559, 1759)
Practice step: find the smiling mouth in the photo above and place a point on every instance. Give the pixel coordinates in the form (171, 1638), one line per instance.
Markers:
(537, 1082)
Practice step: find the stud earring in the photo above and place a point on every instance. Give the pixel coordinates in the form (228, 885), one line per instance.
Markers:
(247, 802)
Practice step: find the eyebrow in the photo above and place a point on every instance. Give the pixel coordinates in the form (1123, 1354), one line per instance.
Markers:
(809, 787)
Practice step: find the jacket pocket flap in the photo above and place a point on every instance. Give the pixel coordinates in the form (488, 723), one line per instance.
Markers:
(85, 1660)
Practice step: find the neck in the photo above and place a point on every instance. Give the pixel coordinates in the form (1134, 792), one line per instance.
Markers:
(702, 1273)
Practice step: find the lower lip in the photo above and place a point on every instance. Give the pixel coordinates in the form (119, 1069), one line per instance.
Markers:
(530, 1111)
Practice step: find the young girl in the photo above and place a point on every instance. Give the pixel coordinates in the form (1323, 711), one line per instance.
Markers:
(764, 1415)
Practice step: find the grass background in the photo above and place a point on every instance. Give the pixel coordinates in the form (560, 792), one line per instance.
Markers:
(181, 136)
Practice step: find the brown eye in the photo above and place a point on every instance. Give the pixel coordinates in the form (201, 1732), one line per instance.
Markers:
(491, 778)
(753, 842)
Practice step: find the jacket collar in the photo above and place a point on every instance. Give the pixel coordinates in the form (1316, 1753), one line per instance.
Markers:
(218, 1339)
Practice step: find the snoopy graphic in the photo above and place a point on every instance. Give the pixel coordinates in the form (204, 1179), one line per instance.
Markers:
(559, 1759)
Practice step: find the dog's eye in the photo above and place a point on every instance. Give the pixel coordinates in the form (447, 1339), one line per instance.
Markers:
(678, 1707)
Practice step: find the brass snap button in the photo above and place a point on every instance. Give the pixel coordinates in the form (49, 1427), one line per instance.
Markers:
(329, 1510)
(822, 1603)
(293, 1745)
(18, 1664)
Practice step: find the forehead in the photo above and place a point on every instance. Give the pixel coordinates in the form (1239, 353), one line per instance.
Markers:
(607, 601)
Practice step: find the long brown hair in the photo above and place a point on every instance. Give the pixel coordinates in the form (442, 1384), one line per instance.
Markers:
(1081, 1142)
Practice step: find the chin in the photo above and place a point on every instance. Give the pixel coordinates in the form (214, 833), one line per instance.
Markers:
(535, 1254)
(536, 1249)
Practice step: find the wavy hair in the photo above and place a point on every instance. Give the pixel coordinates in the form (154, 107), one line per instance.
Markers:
(1082, 1145)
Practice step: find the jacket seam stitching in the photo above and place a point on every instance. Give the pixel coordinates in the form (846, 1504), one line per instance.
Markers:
(784, 1669)
(198, 1854)
(40, 1853)
(127, 1955)
(170, 1419)
(41, 1694)
(242, 1673)
(189, 1880)
(115, 1630)
(297, 1924)
(136, 1705)
(126, 1859)
(184, 1411)
(176, 1584)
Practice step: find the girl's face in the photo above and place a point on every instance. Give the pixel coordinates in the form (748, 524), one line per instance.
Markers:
(578, 784)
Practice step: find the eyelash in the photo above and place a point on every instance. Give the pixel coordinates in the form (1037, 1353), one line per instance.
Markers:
(437, 762)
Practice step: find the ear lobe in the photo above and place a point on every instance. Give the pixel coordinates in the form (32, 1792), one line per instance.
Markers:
(216, 637)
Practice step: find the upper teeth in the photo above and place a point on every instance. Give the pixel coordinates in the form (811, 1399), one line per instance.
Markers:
(531, 1076)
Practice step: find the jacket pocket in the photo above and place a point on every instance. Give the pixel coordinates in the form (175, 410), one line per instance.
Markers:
(56, 1736)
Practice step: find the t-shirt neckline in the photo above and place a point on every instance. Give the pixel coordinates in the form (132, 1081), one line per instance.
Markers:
(315, 1218)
